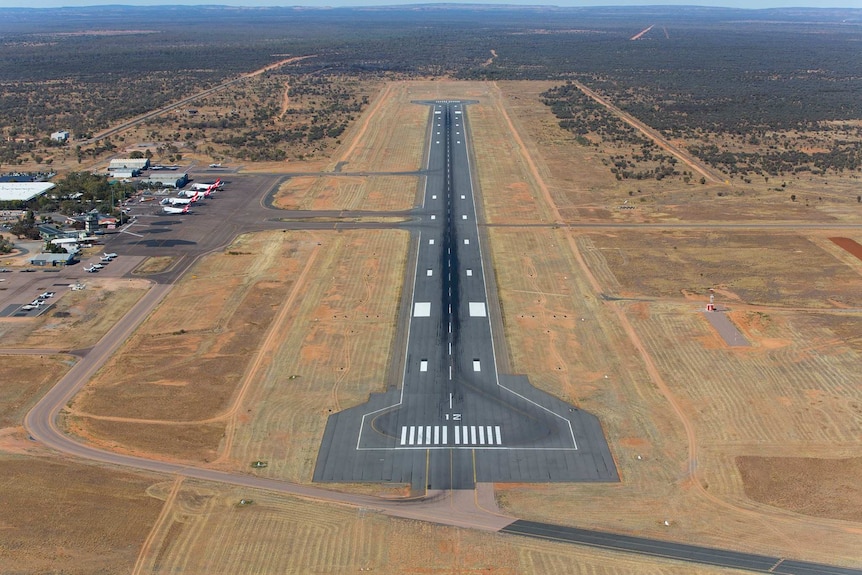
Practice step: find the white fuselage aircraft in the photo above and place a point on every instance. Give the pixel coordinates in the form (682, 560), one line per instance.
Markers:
(181, 201)
(212, 186)
(170, 210)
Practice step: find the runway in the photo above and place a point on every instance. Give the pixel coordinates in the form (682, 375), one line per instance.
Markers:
(455, 420)
(677, 551)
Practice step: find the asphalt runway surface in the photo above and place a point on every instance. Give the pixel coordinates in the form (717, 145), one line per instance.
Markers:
(678, 551)
(455, 421)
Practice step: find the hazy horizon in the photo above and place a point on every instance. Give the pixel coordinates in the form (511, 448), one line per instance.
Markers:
(739, 4)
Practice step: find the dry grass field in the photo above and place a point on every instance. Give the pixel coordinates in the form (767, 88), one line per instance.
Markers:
(336, 351)
(25, 378)
(751, 448)
(385, 137)
(696, 427)
(259, 342)
(380, 193)
(63, 517)
(184, 365)
(204, 529)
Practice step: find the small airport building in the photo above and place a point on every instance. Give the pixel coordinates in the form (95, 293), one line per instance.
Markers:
(124, 174)
(168, 180)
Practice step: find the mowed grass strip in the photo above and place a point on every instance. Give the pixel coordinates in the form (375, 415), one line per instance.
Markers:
(376, 193)
(390, 136)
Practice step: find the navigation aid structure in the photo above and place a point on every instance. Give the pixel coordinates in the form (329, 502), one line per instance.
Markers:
(455, 420)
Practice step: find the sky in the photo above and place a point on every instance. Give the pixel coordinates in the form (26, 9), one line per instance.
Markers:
(752, 4)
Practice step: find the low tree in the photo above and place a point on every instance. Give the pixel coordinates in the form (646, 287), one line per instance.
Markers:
(25, 227)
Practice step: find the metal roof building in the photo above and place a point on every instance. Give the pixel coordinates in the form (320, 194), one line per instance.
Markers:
(172, 180)
(52, 260)
(23, 191)
(122, 173)
(128, 164)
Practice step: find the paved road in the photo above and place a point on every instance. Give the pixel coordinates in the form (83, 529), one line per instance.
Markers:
(788, 225)
(678, 551)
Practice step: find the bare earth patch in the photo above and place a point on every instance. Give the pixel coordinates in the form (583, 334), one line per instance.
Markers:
(23, 381)
(810, 486)
(72, 518)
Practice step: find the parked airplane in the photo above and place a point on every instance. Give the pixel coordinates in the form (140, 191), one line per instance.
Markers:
(195, 192)
(91, 269)
(216, 185)
(111, 255)
(181, 201)
(170, 210)
(215, 165)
